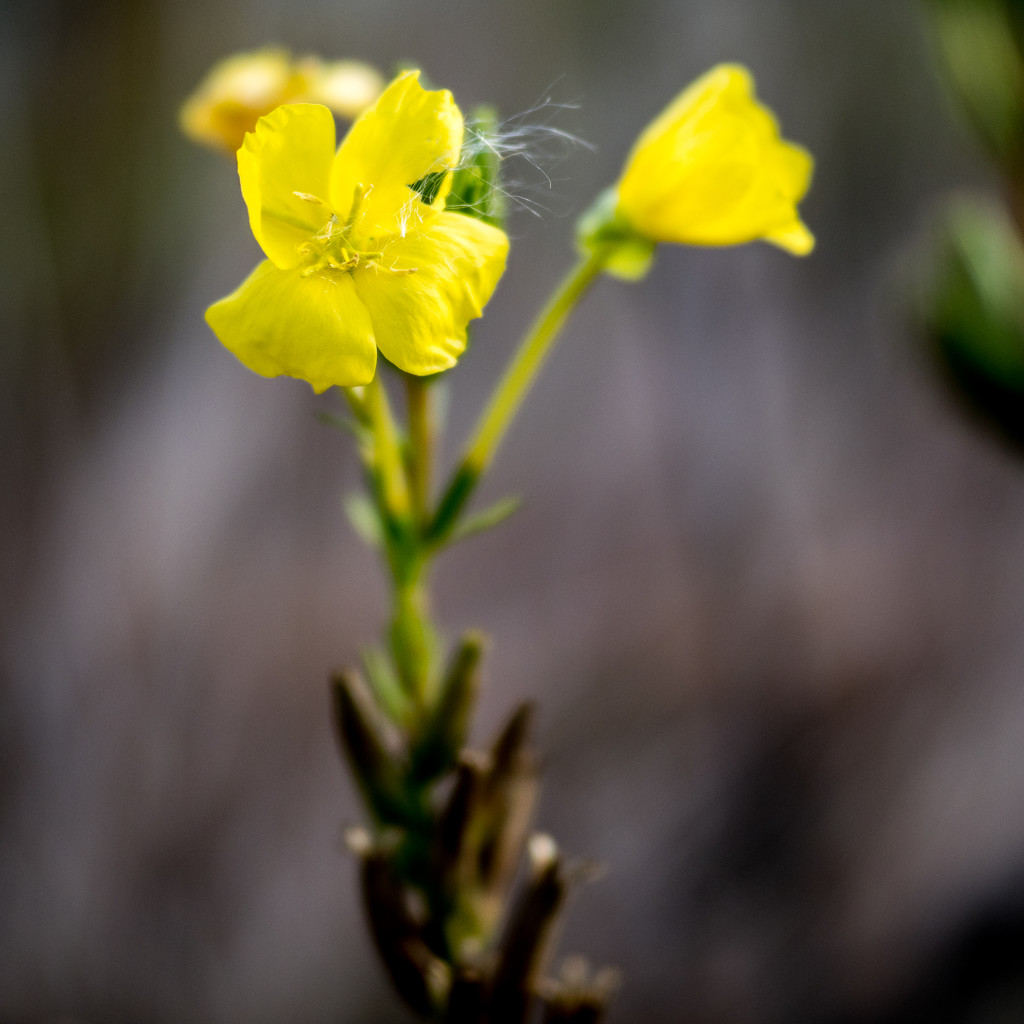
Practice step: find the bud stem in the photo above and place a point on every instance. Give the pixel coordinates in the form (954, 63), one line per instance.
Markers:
(513, 387)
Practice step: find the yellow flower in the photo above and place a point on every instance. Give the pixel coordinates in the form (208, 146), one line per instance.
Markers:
(357, 261)
(241, 89)
(348, 87)
(712, 170)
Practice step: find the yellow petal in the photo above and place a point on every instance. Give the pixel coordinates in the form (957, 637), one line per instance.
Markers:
(713, 170)
(290, 152)
(420, 318)
(407, 134)
(795, 239)
(315, 328)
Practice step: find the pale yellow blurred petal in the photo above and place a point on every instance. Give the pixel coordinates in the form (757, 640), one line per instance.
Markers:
(348, 87)
(281, 323)
(237, 92)
(420, 318)
(290, 152)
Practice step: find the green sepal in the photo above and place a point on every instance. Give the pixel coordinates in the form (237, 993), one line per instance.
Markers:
(429, 185)
(476, 186)
(601, 229)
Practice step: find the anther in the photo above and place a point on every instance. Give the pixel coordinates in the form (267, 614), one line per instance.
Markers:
(348, 264)
(309, 198)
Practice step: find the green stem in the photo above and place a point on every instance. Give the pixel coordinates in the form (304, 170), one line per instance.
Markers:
(356, 402)
(512, 390)
(421, 445)
(412, 637)
(387, 457)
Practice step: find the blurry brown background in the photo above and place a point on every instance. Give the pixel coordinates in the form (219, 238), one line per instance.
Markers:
(767, 585)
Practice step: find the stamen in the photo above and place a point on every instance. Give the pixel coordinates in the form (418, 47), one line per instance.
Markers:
(351, 263)
(391, 270)
(358, 196)
(309, 198)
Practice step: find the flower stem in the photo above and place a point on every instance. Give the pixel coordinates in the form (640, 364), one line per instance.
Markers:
(412, 638)
(512, 390)
(387, 457)
(421, 444)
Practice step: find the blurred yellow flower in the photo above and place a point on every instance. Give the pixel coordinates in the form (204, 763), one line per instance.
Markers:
(713, 170)
(241, 89)
(348, 87)
(357, 259)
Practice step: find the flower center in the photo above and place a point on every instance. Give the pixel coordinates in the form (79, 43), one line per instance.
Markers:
(332, 248)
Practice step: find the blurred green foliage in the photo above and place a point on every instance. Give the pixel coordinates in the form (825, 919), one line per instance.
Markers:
(980, 45)
(974, 290)
(974, 310)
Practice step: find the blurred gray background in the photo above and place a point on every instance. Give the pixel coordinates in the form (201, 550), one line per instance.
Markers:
(766, 587)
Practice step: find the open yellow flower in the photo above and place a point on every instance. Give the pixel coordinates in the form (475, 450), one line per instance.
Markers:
(240, 89)
(356, 260)
(712, 170)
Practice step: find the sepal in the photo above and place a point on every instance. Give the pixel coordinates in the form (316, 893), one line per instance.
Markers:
(476, 185)
(601, 228)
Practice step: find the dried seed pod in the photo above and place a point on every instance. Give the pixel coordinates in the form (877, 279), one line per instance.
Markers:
(437, 747)
(372, 749)
(422, 979)
(576, 996)
(507, 808)
(527, 935)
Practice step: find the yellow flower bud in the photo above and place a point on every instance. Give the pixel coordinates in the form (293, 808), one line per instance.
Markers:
(713, 170)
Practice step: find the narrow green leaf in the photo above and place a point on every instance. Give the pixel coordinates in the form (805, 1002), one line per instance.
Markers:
(487, 519)
(365, 519)
(386, 686)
